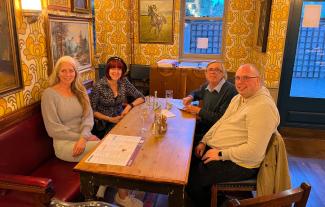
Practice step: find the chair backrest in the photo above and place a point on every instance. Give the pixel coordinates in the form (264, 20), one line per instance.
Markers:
(297, 196)
(139, 72)
(101, 70)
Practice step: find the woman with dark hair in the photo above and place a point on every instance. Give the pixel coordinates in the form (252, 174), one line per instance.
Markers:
(107, 99)
(109, 94)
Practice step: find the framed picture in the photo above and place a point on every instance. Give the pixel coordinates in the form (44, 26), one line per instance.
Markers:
(156, 21)
(264, 9)
(81, 6)
(70, 36)
(63, 5)
(10, 66)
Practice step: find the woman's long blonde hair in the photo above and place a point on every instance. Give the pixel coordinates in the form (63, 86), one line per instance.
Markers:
(77, 87)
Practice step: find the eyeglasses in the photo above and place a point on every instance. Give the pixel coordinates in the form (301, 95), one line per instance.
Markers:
(244, 78)
(214, 70)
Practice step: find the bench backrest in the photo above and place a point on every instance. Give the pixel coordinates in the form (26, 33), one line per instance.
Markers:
(24, 143)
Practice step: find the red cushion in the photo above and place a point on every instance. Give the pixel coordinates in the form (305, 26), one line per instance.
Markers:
(66, 182)
(17, 199)
(25, 146)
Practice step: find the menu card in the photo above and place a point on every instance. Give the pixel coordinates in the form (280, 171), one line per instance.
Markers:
(116, 150)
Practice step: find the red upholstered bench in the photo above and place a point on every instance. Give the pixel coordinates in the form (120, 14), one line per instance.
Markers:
(30, 174)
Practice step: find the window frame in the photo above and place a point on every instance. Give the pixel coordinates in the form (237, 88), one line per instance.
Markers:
(192, 56)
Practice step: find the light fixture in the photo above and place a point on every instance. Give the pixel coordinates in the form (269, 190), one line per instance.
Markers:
(31, 9)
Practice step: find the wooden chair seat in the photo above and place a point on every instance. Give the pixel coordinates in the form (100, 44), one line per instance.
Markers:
(245, 185)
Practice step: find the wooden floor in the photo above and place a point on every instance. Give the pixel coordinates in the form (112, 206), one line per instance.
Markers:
(312, 171)
(307, 164)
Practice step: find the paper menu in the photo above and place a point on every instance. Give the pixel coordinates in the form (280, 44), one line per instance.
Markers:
(116, 150)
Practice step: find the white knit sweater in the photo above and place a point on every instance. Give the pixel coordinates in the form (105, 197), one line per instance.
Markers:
(243, 132)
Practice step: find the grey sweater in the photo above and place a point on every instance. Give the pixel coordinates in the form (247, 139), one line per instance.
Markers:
(63, 116)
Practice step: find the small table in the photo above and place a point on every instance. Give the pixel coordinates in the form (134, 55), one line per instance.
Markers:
(161, 165)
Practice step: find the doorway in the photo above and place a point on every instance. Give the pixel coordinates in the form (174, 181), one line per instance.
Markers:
(301, 98)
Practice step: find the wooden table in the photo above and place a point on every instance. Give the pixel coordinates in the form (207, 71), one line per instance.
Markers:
(162, 164)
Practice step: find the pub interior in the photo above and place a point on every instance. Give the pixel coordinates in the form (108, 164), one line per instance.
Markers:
(166, 45)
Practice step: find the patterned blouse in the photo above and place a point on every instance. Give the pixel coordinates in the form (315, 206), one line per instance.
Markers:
(103, 100)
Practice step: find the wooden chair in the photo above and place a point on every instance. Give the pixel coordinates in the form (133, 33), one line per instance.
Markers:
(139, 77)
(297, 196)
(245, 185)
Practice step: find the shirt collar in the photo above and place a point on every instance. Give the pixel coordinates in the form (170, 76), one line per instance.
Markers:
(217, 88)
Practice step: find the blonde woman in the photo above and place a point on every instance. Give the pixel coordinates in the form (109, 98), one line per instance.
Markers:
(67, 114)
(68, 119)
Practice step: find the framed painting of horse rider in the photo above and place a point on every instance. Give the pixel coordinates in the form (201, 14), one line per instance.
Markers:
(156, 21)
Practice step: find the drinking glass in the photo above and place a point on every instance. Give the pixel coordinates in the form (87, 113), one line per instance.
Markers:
(148, 100)
(168, 97)
(144, 117)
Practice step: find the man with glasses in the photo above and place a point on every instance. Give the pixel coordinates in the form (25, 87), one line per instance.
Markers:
(216, 94)
(233, 149)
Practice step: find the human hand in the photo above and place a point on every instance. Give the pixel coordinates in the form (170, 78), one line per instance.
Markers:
(93, 138)
(187, 100)
(199, 150)
(210, 155)
(126, 110)
(192, 109)
(115, 119)
(79, 147)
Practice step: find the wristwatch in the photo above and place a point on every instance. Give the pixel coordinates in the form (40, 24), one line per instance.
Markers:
(220, 154)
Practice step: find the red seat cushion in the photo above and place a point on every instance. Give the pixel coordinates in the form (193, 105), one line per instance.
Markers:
(25, 146)
(66, 182)
(17, 199)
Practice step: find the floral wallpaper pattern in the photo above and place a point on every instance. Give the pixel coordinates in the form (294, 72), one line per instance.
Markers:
(270, 63)
(33, 54)
(115, 34)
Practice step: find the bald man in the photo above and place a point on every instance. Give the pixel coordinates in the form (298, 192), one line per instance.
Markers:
(234, 147)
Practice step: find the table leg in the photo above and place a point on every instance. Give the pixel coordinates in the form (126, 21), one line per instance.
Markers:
(176, 197)
(87, 186)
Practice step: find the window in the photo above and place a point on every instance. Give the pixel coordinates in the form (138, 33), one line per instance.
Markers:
(201, 28)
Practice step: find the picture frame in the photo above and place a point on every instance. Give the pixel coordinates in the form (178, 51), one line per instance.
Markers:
(262, 30)
(156, 21)
(70, 36)
(63, 5)
(10, 64)
(81, 6)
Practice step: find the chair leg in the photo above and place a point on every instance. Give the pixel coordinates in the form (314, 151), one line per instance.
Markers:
(214, 196)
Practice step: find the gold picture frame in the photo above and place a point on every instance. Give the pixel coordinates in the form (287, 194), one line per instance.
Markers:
(262, 29)
(70, 36)
(81, 6)
(156, 21)
(10, 65)
(63, 5)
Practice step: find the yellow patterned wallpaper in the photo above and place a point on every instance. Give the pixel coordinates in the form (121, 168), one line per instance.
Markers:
(238, 32)
(112, 29)
(113, 38)
(270, 63)
(33, 52)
